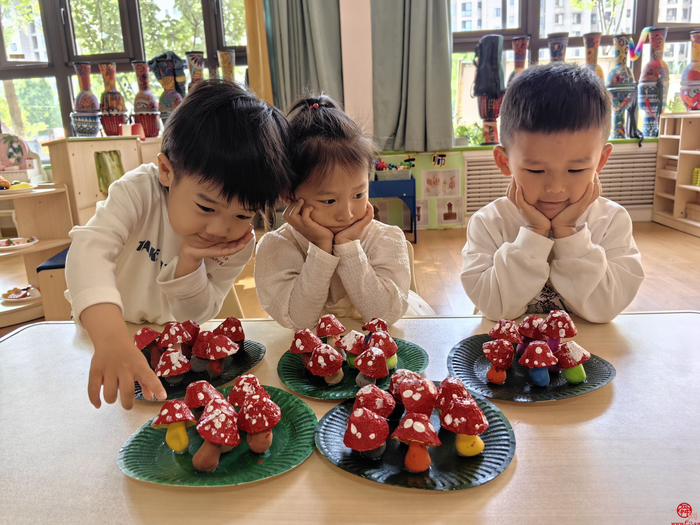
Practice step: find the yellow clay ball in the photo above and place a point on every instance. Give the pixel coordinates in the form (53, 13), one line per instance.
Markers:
(469, 445)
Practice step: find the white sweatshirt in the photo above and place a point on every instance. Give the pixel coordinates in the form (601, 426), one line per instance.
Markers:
(595, 272)
(297, 282)
(127, 255)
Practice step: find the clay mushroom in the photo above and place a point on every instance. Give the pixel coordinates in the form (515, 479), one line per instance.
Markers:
(193, 329)
(366, 433)
(304, 343)
(326, 362)
(173, 334)
(372, 366)
(199, 394)
(419, 395)
(199, 347)
(330, 327)
(172, 366)
(397, 378)
(384, 341)
(571, 357)
(176, 417)
(530, 331)
(147, 339)
(257, 418)
(219, 429)
(500, 352)
(537, 357)
(418, 433)
(375, 399)
(245, 386)
(506, 329)
(215, 351)
(450, 389)
(351, 344)
(376, 325)
(465, 418)
(231, 328)
(556, 327)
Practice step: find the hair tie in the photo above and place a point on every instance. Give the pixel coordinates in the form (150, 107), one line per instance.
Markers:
(314, 106)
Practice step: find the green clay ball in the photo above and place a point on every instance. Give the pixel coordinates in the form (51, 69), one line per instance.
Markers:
(574, 375)
(351, 360)
(391, 362)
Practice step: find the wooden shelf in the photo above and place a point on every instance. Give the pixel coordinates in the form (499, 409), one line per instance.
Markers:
(38, 247)
(670, 157)
(689, 187)
(690, 152)
(36, 193)
(12, 314)
(667, 174)
(669, 136)
(665, 195)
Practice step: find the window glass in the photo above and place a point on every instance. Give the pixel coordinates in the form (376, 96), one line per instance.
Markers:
(23, 31)
(585, 16)
(97, 26)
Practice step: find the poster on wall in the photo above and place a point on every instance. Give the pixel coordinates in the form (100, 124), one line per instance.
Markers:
(381, 211)
(422, 212)
(438, 183)
(450, 211)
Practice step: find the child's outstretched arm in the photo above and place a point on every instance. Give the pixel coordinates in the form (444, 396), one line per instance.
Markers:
(501, 277)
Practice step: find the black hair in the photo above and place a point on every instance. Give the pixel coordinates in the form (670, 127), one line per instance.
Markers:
(324, 136)
(555, 97)
(229, 139)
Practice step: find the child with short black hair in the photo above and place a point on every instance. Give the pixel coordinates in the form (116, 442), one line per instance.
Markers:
(170, 239)
(553, 242)
(331, 256)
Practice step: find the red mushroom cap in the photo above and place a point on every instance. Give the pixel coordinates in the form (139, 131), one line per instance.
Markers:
(219, 424)
(537, 355)
(172, 363)
(529, 327)
(200, 393)
(450, 389)
(398, 377)
(217, 347)
(366, 430)
(375, 399)
(500, 352)
(419, 395)
(558, 325)
(376, 325)
(384, 342)
(506, 329)
(372, 363)
(174, 411)
(418, 428)
(244, 386)
(231, 328)
(329, 325)
(258, 414)
(325, 361)
(353, 343)
(145, 336)
(192, 328)
(571, 354)
(202, 341)
(173, 334)
(305, 342)
(464, 416)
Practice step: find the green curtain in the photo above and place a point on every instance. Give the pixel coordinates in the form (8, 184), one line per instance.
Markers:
(303, 40)
(411, 60)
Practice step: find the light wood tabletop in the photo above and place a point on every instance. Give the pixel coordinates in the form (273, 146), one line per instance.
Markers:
(626, 453)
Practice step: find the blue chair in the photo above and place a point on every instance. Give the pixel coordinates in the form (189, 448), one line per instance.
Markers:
(52, 283)
(404, 189)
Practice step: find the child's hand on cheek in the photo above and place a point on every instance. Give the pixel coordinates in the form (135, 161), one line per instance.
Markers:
(536, 220)
(299, 216)
(353, 232)
(564, 224)
(191, 256)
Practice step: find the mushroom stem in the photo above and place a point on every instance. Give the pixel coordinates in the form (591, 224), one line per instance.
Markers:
(539, 376)
(174, 380)
(496, 376)
(375, 453)
(520, 349)
(469, 445)
(176, 437)
(206, 459)
(214, 368)
(553, 343)
(342, 353)
(391, 362)
(260, 442)
(417, 457)
(335, 378)
(363, 380)
(574, 375)
(198, 364)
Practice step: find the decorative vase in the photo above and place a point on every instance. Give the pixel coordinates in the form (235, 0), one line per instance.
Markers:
(557, 46)
(488, 84)
(227, 60)
(520, 45)
(690, 80)
(111, 101)
(170, 98)
(145, 104)
(621, 86)
(195, 61)
(86, 101)
(489, 109)
(592, 42)
(85, 124)
(653, 82)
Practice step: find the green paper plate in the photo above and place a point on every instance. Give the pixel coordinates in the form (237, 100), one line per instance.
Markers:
(467, 362)
(146, 457)
(249, 355)
(294, 374)
(448, 471)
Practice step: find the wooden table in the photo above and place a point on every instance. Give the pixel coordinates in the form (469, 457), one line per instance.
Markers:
(627, 453)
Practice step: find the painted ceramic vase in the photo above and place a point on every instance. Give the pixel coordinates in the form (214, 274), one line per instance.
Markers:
(489, 109)
(195, 62)
(14, 152)
(621, 86)
(227, 60)
(86, 101)
(591, 42)
(170, 98)
(520, 45)
(111, 101)
(145, 104)
(690, 80)
(557, 46)
(653, 82)
(85, 124)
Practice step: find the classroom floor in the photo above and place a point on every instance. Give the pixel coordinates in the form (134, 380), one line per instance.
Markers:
(671, 260)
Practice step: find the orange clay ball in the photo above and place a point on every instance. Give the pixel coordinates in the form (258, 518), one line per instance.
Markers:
(496, 376)
(417, 458)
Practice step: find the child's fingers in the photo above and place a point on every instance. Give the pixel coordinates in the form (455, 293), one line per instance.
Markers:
(147, 378)
(94, 385)
(146, 392)
(126, 391)
(109, 389)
